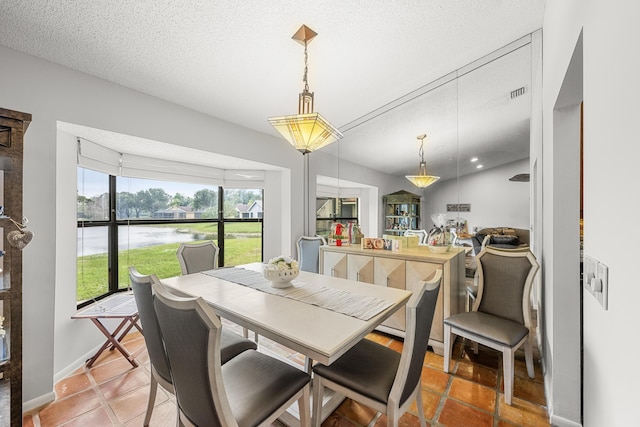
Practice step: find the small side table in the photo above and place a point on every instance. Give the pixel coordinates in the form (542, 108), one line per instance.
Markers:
(119, 306)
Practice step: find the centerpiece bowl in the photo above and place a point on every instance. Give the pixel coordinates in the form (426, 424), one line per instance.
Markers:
(280, 271)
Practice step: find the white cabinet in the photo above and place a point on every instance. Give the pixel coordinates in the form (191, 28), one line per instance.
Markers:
(390, 272)
(403, 270)
(334, 264)
(417, 271)
(360, 268)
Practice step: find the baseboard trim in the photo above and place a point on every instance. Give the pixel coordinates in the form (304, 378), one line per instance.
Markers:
(71, 368)
(38, 402)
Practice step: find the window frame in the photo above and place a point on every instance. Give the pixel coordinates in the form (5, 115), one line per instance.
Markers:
(113, 223)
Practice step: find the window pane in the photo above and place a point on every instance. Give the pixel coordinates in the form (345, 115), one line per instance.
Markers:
(92, 263)
(161, 200)
(242, 242)
(152, 248)
(242, 204)
(93, 195)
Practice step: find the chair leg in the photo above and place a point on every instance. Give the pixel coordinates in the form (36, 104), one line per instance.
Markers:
(449, 338)
(420, 408)
(508, 360)
(304, 404)
(245, 332)
(318, 391)
(308, 364)
(528, 356)
(153, 389)
(474, 345)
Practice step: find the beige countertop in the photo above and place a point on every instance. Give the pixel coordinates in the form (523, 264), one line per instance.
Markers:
(420, 253)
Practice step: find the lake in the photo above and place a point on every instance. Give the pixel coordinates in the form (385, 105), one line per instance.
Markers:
(93, 240)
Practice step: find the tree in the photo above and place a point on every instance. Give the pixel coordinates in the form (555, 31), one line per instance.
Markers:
(125, 205)
(181, 200)
(204, 199)
(151, 200)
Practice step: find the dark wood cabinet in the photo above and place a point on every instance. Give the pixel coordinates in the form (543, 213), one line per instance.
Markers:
(13, 125)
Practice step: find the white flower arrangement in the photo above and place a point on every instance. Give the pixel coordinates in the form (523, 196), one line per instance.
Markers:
(282, 263)
(2, 331)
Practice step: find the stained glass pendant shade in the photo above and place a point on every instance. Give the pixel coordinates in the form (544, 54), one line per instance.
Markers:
(422, 180)
(306, 131)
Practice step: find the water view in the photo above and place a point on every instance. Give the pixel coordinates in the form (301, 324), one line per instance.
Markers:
(93, 240)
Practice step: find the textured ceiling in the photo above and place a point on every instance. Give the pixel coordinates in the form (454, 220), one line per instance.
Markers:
(235, 59)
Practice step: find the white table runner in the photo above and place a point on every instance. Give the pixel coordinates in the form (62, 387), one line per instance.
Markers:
(358, 306)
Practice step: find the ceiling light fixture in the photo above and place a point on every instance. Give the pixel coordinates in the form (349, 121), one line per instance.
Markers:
(422, 180)
(306, 131)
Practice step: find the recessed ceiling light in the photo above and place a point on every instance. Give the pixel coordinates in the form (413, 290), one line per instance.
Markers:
(479, 166)
(474, 159)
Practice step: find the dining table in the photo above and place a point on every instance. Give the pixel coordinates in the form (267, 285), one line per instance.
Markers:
(319, 316)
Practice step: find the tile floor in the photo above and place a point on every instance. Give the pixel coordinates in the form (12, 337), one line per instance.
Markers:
(112, 393)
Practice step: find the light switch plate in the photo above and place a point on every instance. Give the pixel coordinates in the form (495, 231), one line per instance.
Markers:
(595, 270)
(602, 273)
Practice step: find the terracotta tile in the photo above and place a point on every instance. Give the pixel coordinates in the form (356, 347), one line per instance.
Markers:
(130, 405)
(356, 412)
(123, 384)
(520, 370)
(406, 420)
(133, 335)
(66, 409)
(455, 414)
(396, 345)
(107, 371)
(474, 394)
(530, 390)
(96, 417)
(27, 421)
(477, 373)
(523, 413)
(379, 338)
(434, 380)
(163, 415)
(527, 389)
(72, 385)
(335, 420)
(487, 357)
(436, 361)
(430, 403)
(502, 423)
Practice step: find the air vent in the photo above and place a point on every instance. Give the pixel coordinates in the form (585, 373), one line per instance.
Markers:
(518, 92)
(521, 177)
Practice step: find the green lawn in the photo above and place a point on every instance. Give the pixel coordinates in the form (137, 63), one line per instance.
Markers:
(161, 260)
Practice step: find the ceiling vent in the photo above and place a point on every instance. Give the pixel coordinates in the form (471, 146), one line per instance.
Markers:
(518, 92)
(521, 177)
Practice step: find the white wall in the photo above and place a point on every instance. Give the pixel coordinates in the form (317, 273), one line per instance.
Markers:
(50, 93)
(53, 343)
(611, 67)
(495, 201)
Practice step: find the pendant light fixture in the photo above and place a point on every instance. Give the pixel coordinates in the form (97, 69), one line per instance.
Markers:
(422, 180)
(306, 131)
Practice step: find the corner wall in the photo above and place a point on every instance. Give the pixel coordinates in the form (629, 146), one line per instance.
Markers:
(611, 66)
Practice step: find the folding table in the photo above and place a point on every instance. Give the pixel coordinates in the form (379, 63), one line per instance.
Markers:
(118, 306)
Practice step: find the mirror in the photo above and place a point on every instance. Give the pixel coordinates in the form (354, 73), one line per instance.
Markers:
(482, 112)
